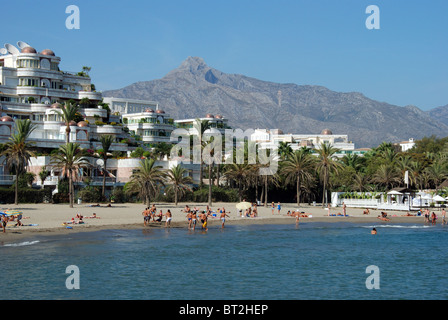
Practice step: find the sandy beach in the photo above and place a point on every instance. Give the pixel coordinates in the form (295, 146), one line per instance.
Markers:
(49, 219)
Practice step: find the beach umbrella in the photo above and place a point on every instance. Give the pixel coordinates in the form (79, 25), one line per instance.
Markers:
(394, 192)
(438, 198)
(243, 205)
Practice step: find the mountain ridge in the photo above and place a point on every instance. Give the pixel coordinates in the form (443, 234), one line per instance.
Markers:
(194, 89)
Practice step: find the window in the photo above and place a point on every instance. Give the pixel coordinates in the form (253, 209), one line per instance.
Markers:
(27, 63)
(28, 82)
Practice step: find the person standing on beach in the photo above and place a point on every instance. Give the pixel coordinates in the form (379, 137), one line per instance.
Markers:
(223, 218)
(279, 207)
(273, 207)
(433, 218)
(189, 215)
(193, 219)
(146, 216)
(443, 216)
(203, 218)
(168, 219)
(344, 209)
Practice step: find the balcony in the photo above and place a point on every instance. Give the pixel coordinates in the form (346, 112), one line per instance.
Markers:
(7, 179)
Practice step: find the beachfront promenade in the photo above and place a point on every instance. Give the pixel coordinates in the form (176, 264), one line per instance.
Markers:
(46, 219)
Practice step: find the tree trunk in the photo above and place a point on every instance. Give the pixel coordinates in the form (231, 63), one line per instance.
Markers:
(217, 175)
(103, 193)
(16, 195)
(210, 185)
(70, 189)
(200, 175)
(298, 191)
(266, 191)
(256, 189)
(67, 133)
(175, 195)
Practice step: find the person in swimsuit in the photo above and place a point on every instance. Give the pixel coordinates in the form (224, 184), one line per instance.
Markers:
(223, 218)
(168, 219)
(443, 216)
(194, 219)
(373, 231)
(189, 219)
(146, 216)
(279, 207)
(203, 218)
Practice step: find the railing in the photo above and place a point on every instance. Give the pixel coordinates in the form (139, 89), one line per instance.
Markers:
(7, 179)
(96, 180)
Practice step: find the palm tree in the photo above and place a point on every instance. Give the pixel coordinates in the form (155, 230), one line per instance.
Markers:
(179, 182)
(240, 173)
(147, 179)
(297, 167)
(360, 181)
(70, 160)
(352, 160)
(201, 126)
(325, 165)
(162, 149)
(386, 175)
(284, 150)
(43, 174)
(437, 173)
(68, 114)
(17, 151)
(106, 142)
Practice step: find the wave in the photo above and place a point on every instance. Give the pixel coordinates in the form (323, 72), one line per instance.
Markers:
(398, 226)
(20, 244)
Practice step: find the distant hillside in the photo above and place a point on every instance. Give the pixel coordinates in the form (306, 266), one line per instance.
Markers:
(195, 89)
(440, 114)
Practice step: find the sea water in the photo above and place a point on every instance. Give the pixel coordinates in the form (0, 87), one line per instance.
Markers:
(324, 261)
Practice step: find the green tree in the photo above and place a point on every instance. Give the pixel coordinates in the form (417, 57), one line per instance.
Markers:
(284, 150)
(201, 126)
(68, 113)
(106, 142)
(70, 160)
(176, 176)
(326, 164)
(147, 180)
(296, 168)
(241, 174)
(17, 151)
(387, 176)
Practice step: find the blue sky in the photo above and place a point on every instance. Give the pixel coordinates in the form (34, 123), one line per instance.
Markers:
(321, 42)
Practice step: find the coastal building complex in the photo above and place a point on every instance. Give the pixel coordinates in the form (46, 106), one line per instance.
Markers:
(269, 139)
(217, 122)
(32, 86)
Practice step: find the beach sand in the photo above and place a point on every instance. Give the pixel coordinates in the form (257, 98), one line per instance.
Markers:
(48, 219)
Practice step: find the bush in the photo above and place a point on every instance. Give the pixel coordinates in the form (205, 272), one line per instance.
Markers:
(61, 197)
(25, 195)
(218, 195)
(118, 195)
(90, 194)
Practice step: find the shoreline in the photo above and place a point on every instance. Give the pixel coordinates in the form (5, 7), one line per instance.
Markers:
(48, 219)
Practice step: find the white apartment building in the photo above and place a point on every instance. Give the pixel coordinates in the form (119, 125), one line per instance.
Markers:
(270, 139)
